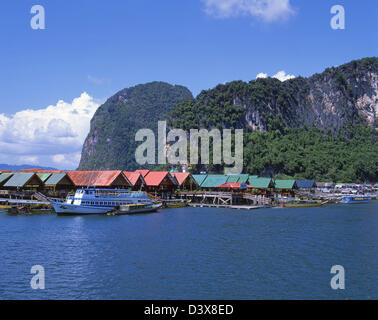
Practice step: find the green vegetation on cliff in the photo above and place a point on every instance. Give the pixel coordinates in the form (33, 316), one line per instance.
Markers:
(323, 127)
(309, 153)
(111, 141)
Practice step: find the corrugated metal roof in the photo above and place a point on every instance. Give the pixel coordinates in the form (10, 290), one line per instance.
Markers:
(96, 178)
(44, 176)
(305, 183)
(143, 172)
(134, 177)
(4, 177)
(237, 178)
(233, 178)
(55, 178)
(199, 178)
(284, 184)
(155, 178)
(214, 180)
(20, 179)
(260, 183)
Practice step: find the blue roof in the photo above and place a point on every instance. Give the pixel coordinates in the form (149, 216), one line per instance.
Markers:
(305, 183)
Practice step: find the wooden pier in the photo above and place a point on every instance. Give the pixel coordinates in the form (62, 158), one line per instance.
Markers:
(218, 199)
(207, 205)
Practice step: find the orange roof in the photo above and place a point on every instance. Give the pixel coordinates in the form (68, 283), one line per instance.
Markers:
(143, 172)
(180, 176)
(133, 177)
(155, 178)
(96, 178)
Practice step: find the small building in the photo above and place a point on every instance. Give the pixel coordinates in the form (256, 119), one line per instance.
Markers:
(305, 184)
(260, 184)
(25, 181)
(161, 183)
(136, 179)
(285, 187)
(102, 179)
(59, 184)
(185, 180)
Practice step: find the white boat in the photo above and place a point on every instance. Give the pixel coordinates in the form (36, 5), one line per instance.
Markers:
(98, 201)
(136, 208)
(355, 199)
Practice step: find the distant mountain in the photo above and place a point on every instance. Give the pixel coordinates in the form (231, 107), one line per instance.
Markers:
(110, 143)
(22, 166)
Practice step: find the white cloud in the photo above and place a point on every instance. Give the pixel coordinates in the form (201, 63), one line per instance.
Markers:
(50, 136)
(268, 10)
(261, 75)
(280, 75)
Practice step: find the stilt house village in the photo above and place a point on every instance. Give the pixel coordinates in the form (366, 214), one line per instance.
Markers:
(42, 184)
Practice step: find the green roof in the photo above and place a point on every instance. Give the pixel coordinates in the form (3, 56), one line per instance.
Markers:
(214, 180)
(284, 184)
(44, 175)
(4, 177)
(55, 178)
(237, 178)
(19, 179)
(199, 178)
(233, 178)
(259, 183)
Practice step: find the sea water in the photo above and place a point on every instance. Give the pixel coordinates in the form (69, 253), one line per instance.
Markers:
(193, 253)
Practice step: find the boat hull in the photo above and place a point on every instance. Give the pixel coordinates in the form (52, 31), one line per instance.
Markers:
(135, 209)
(355, 199)
(299, 205)
(64, 209)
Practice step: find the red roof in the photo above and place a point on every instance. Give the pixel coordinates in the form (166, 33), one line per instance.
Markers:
(133, 177)
(96, 178)
(232, 185)
(143, 172)
(180, 176)
(155, 178)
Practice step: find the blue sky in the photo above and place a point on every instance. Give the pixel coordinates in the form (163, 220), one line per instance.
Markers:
(100, 47)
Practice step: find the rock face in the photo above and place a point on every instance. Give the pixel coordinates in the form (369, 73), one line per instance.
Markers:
(110, 143)
(338, 96)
